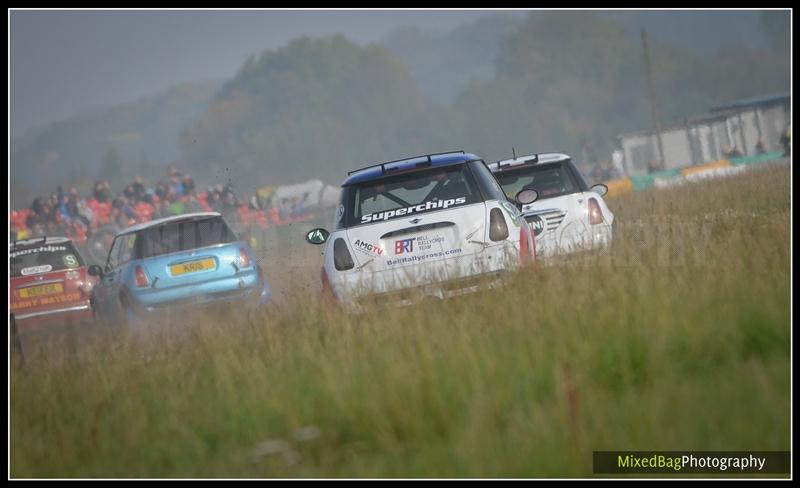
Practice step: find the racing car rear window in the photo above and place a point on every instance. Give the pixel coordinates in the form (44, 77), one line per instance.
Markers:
(549, 180)
(409, 194)
(44, 258)
(182, 236)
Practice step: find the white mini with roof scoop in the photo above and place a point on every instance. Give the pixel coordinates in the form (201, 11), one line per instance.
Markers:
(568, 216)
(438, 224)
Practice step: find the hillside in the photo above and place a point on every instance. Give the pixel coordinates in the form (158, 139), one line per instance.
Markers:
(316, 107)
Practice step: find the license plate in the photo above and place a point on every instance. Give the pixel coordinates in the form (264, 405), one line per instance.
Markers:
(192, 267)
(41, 290)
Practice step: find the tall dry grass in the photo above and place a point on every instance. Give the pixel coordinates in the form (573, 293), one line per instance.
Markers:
(677, 338)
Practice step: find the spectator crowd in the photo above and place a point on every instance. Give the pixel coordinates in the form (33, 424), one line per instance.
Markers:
(72, 215)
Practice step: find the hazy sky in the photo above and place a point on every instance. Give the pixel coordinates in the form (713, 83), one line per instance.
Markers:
(63, 63)
(66, 62)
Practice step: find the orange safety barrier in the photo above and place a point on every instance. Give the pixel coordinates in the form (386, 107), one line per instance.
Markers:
(619, 186)
(722, 163)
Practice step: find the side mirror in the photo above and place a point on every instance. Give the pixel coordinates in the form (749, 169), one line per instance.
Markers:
(600, 189)
(95, 270)
(317, 236)
(525, 197)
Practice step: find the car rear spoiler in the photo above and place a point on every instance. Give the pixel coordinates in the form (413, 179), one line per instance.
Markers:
(532, 159)
(30, 241)
(429, 162)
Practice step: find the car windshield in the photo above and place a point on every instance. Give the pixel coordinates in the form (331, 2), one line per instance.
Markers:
(410, 194)
(44, 258)
(549, 180)
(182, 236)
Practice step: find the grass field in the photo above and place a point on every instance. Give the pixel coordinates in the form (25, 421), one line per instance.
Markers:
(676, 339)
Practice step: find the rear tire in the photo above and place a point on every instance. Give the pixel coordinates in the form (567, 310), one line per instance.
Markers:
(127, 318)
(130, 317)
(17, 352)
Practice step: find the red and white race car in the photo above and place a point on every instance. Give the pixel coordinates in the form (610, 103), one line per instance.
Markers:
(49, 284)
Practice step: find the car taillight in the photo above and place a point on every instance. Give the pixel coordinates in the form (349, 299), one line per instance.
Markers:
(141, 278)
(85, 289)
(244, 260)
(498, 230)
(595, 214)
(341, 255)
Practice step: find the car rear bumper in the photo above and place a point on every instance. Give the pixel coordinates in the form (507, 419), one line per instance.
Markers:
(71, 315)
(247, 290)
(438, 279)
(440, 290)
(574, 240)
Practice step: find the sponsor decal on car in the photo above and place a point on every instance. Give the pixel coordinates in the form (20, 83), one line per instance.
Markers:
(41, 301)
(537, 224)
(423, 243)
(512, 212)
(34, 250)
(367, 248)
(36, 270)
(422, 257)
(404, 246)
(422, 207)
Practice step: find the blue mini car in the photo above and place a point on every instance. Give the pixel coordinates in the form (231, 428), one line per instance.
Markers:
(185, 261)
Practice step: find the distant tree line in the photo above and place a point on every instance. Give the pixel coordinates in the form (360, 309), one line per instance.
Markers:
(562, 82)
(556, 81)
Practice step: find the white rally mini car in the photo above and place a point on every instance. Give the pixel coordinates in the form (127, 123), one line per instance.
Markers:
(438, 223)
(568, 216)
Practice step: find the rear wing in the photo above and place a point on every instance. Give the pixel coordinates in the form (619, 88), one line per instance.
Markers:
(507, 163)
(384, 171)
(31, 241)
